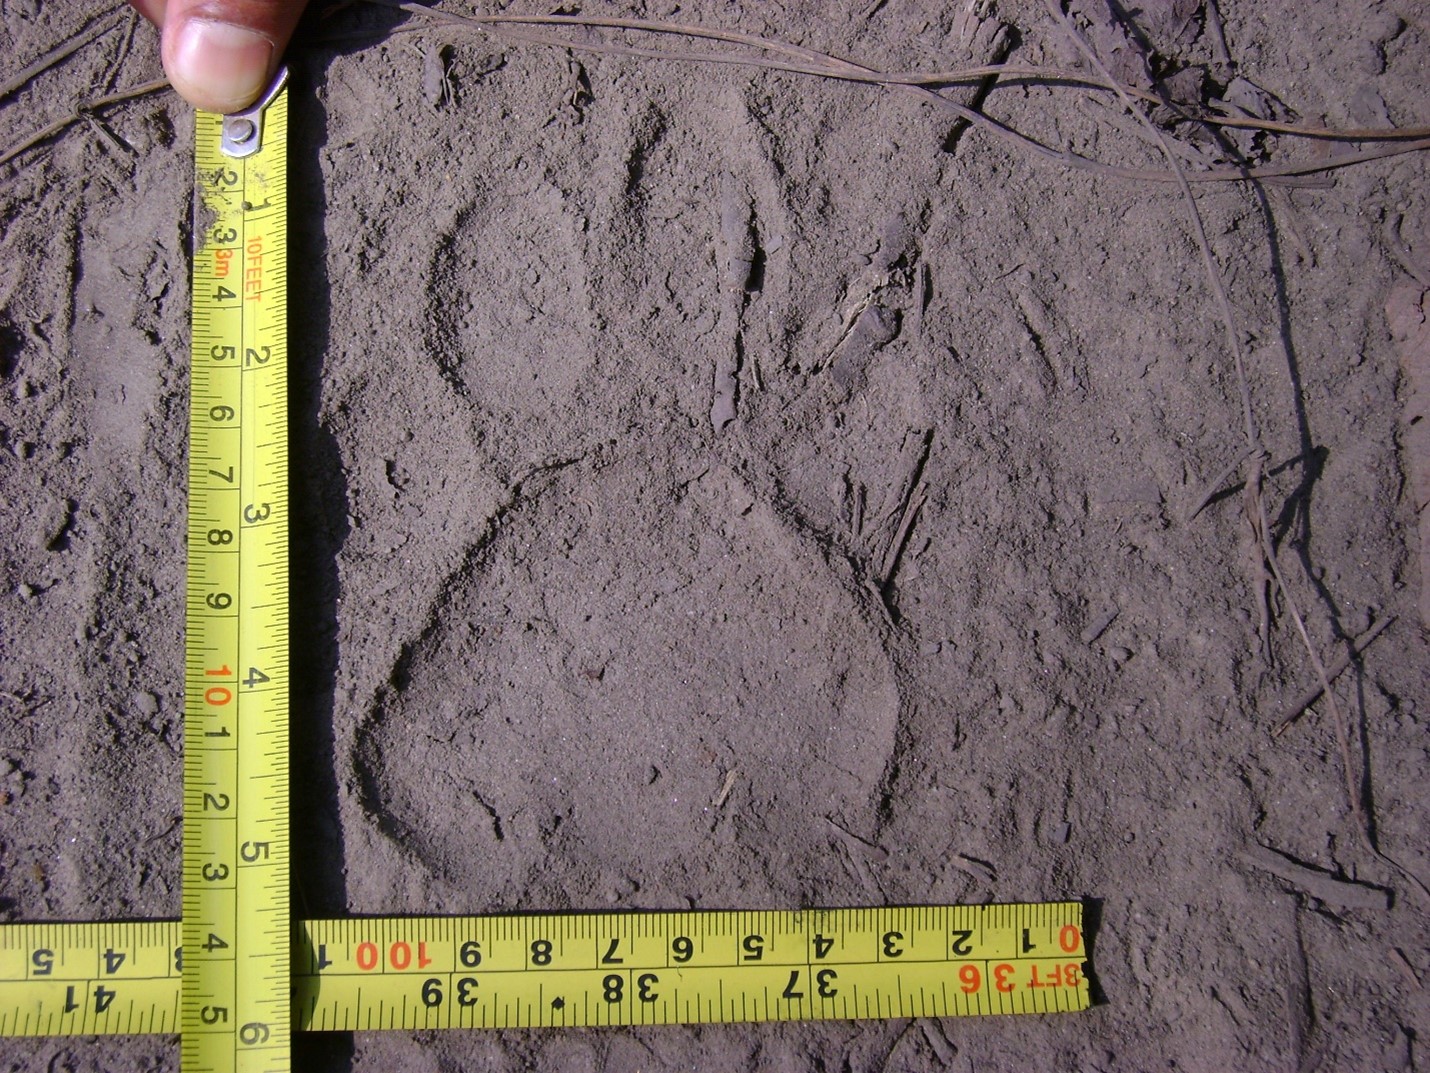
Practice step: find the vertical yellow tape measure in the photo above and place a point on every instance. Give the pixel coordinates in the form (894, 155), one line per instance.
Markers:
(236, 923)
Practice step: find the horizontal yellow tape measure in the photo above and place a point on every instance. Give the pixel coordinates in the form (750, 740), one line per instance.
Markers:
(576, 969)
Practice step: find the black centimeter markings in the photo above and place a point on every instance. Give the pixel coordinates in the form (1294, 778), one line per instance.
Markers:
(637, 968)
(1037, 966)
(236, 924)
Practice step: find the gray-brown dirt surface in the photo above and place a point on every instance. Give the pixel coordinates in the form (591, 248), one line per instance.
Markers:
(656, 421)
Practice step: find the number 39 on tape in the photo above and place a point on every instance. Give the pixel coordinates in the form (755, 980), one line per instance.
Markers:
(699, 967)
(578, 969)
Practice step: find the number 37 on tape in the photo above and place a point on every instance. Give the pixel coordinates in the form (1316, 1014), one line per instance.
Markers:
(708, 967)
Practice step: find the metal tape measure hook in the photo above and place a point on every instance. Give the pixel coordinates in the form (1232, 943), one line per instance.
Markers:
(243, 131)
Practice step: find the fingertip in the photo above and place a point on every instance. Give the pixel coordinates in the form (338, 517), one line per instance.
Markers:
(217, 66)
(153, 10)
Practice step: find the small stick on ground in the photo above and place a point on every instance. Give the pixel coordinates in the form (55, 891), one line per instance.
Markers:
(937, 1041)
(1253, 510)
(1318, 884)
(59, 53)
(1403, 964)
(979, 870)
(1255, 501)
(1218, 35)
(1300, 1015)
(877, 852)
(886, 539)
(121, 54)
(901, 505)
(1213, 487)
(895, 554)
(724, 794)
(807, 61)
(59, 126)
(1098, 626)
(1342, 725)
(29, 702)
(122, 151)
(1297, 707)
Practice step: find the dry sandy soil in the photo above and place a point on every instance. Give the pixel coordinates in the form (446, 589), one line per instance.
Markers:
(657, 421)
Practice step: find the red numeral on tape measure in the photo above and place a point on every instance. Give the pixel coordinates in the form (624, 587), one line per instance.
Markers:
(399, 956)
(969, 979)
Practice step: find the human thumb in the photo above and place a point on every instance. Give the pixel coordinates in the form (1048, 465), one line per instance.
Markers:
(221, 54)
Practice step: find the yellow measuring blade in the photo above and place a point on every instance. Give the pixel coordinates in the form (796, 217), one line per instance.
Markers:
(577, 970)
(236, 925)
(89, 979)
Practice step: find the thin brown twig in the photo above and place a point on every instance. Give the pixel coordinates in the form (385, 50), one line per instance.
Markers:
(1009, 73)
(1253, 510)
(59, 53)
(1214, 280)
(800, 60)
(818, 64)
(1266, 171)
(1213, 487)
(1261, 524)
(1345, 893)
(1218, 35)
(1403, 964)
(121, 54)
(59, 126)
(1297, 707)
(1274, 126)
(1342, 725)
(106, 135)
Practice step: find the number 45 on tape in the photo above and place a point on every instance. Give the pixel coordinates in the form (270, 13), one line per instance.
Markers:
(577, 969)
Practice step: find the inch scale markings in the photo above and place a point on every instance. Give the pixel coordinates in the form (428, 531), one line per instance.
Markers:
(577, 970)
(236, 939)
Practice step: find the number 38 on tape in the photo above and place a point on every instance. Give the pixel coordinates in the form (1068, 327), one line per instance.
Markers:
(578, 969)
(700, 967)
